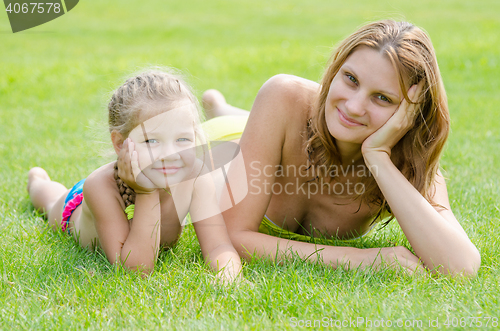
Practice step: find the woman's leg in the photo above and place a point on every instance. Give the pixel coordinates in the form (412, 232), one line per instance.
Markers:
(46, 195)
(215, 105)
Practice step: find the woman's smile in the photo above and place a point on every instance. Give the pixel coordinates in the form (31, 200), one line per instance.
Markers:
(346, 120)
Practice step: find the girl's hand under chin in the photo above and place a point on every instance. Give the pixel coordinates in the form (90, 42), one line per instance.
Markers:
(387, 136)
(130, 172)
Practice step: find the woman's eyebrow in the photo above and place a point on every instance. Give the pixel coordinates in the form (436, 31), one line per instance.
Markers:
(393, 95)
(346, 67)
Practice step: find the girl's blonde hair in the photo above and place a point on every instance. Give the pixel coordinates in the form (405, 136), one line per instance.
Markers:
(152, 87)
(417, 154)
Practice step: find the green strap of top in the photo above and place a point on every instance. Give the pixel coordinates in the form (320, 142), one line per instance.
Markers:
(130, 212)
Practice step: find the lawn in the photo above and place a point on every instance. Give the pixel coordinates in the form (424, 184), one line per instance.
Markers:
(54, 83)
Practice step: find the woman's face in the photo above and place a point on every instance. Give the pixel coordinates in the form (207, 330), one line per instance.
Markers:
(165, 145)
(363, 95)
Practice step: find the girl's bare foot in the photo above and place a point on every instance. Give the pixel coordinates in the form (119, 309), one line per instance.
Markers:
(36, 173)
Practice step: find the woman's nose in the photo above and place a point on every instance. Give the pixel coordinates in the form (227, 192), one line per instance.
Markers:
(356, 104)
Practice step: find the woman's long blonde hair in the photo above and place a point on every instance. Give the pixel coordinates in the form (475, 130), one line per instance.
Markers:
(417, 154)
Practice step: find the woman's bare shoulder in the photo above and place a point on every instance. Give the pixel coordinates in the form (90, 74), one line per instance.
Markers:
(289, 95)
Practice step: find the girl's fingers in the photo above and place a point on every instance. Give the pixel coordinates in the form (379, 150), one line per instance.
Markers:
(124, 158)
(134, 162)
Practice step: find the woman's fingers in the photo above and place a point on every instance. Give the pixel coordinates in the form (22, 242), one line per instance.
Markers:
(415, 95)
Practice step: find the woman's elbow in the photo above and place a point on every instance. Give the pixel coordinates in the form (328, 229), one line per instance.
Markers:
(467, 266)
(472, 265)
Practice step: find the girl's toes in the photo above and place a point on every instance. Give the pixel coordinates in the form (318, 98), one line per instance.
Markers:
(36, 173)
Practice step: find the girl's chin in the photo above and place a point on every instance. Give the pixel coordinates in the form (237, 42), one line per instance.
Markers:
(166, 181)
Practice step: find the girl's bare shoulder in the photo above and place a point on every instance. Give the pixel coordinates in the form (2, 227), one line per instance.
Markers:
(101, 182)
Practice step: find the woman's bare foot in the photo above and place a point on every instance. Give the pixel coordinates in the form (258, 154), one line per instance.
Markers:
(215, 105)
(213, 101)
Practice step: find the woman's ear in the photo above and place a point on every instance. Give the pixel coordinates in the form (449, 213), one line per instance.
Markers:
(117, 139)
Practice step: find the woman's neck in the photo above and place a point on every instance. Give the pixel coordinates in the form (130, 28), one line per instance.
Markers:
(350, 153)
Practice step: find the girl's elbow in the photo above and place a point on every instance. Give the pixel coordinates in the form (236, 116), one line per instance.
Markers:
(143, 269)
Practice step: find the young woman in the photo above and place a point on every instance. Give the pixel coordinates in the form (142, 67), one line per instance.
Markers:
(331, 159)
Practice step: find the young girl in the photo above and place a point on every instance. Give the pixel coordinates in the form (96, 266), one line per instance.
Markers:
(133, 207)
(331, 159)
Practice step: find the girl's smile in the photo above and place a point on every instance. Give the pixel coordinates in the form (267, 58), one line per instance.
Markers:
(168, 170)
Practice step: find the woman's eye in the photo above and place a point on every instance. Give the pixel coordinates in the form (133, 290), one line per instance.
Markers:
(352, 78)
(384, 98)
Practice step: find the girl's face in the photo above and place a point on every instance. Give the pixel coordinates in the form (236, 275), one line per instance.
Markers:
(165, 145)
(363, 95)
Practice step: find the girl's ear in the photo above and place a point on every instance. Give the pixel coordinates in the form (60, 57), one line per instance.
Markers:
(117, 139)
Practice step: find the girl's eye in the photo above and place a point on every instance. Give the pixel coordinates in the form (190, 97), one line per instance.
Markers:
(183, 139)
(151, 141)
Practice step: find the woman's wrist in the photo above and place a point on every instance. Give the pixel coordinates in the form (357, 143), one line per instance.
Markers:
(376, 159)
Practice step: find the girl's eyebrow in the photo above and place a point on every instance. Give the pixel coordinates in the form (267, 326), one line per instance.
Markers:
(185, 133)
(159, 130)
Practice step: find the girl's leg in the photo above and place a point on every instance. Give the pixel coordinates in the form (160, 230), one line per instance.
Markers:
(215, 105)
(46, 195)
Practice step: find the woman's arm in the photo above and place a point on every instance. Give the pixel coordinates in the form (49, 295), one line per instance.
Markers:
(279, 103)
(434, 233)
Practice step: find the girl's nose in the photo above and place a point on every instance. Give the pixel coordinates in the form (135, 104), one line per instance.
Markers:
(170, 153)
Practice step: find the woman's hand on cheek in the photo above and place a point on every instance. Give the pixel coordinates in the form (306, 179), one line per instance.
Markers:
(384, 139)
(129, 170)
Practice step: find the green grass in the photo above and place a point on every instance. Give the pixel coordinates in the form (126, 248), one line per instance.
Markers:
(54, 83)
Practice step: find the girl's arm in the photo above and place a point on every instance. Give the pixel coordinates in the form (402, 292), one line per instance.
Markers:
(279, 104)
(136, 245)
(211, 231)
(433, 232)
